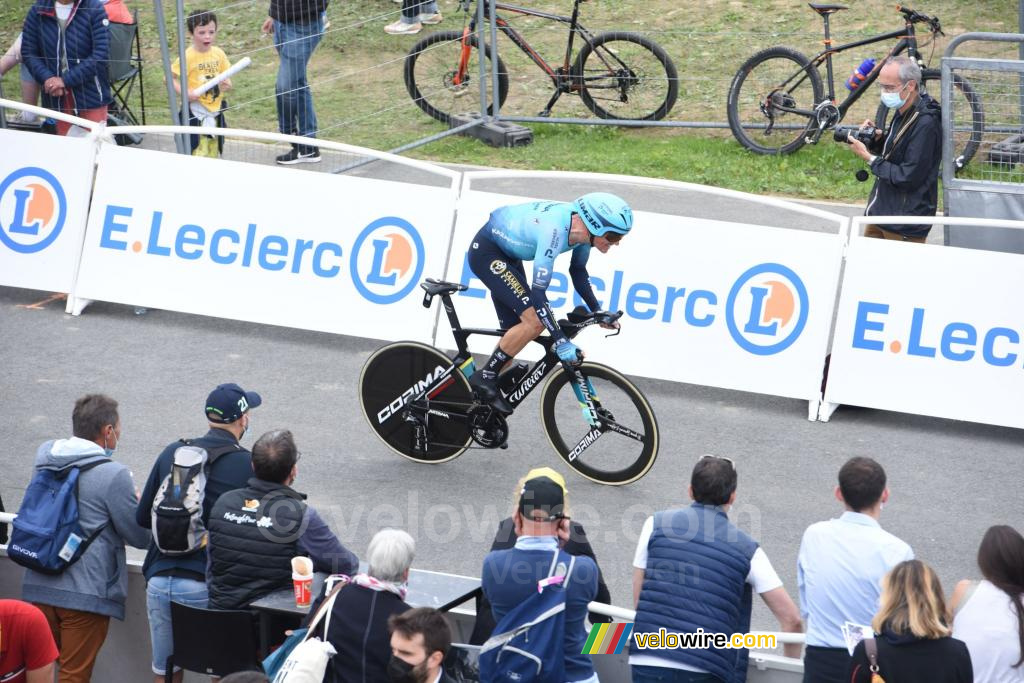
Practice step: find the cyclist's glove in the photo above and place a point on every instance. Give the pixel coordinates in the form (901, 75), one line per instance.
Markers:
(567, 351)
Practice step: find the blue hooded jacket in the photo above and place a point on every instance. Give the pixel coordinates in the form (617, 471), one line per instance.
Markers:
(85, 42)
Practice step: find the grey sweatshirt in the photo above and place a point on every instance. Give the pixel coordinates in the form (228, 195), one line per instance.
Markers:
(98, 581)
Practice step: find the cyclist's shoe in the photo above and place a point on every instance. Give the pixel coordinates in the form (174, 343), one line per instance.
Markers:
(486, 389)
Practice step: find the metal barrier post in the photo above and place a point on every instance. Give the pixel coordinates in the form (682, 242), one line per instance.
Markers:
(182, 70)
(179, 141)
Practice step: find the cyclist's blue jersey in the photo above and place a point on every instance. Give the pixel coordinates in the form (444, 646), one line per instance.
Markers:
(538, 232)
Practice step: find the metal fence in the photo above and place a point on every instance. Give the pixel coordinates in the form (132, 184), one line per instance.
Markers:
(993, 184)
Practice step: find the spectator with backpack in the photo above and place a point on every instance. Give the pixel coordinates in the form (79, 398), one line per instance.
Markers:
(79, 598)
(538, 592)
(203, 468)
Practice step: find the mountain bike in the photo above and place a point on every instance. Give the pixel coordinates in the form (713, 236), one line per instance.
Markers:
(417, 399)
(777, 103)
(618, 75)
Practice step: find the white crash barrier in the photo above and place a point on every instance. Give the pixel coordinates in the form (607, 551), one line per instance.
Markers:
(249, 242)
(920, 329)
(44, 200)
(708, 302)
(930, 330)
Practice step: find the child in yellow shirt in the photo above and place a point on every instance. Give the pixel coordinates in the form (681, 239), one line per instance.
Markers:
(204, 61)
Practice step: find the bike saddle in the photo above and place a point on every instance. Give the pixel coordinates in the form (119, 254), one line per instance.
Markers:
(825, 9)
(434, 287)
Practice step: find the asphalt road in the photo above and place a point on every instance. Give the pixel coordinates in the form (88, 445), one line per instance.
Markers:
(949, 480)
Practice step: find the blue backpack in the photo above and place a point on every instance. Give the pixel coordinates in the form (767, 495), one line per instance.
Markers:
(46, 535)
(528, 645)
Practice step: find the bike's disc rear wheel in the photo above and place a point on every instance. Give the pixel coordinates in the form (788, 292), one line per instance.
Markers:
(391, 377)
(626, 76)
(968, 114)
(432, 69)
(611, 458)
(760, 88)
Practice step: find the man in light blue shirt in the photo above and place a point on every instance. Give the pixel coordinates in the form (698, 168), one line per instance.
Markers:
(840, 566)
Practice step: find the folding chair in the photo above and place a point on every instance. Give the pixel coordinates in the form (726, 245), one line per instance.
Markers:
(124, 70)
(211, 641)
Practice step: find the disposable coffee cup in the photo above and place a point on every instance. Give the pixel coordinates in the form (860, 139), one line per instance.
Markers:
(302, 580)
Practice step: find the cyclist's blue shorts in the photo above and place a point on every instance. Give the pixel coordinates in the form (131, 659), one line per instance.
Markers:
(504, 276)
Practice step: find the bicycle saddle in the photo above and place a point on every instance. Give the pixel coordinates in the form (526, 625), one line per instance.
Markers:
(825, 9)
(434, 287)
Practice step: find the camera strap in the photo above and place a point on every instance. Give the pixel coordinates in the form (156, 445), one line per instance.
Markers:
(901, 133)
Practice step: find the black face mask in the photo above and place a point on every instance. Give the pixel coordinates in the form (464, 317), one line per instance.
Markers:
(401, 671)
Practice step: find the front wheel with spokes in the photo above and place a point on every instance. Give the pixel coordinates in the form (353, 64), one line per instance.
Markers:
(626, 76)
(772, 100)
(622, 447)
(442, 75)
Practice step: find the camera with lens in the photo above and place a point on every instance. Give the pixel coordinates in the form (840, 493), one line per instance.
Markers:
(865, 134)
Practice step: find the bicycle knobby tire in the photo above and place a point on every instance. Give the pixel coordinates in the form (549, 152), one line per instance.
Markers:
(430, 68)
(762, 77)
(626, 76)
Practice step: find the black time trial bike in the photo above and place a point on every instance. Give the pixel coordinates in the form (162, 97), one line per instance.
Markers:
(417, 399)
(777, 102)
(618, 75)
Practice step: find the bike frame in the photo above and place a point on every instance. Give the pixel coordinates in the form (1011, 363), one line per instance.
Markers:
(582, 387)
(556, 74)
(907, 42)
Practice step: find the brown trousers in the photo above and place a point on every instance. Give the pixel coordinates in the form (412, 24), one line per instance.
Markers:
(79, 637)
(872, 230)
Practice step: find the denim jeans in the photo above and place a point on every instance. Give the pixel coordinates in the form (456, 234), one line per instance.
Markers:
(160, 592)
(412, 9)
(295, 43)
(663, 674)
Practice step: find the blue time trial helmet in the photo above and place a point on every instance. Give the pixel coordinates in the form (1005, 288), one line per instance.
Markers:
(603, 212)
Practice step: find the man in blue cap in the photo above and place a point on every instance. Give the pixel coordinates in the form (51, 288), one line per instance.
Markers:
(182, 577)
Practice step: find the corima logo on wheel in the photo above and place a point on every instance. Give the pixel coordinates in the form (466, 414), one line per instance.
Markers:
(385, 261)
(33, 208)
(422, 385)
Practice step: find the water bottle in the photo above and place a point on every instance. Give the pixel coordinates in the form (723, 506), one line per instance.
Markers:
(860, 74)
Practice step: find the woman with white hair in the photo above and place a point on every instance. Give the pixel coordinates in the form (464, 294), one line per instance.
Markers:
(358, 626)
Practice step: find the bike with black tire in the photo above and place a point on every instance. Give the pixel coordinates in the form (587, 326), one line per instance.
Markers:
(777, 101)
(618, 74)
(417, 400)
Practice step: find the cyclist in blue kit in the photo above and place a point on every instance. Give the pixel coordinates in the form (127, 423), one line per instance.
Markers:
(539, 232)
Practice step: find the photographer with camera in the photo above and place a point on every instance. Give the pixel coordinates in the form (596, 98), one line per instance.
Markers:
(905, 159)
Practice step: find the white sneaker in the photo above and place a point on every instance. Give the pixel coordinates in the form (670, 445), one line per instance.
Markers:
(430, 19)
(400, 28)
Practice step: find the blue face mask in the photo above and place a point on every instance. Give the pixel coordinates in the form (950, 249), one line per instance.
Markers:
(893, 99)
(109, 452)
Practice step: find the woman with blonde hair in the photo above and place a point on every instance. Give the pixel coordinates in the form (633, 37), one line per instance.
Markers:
(912, 627)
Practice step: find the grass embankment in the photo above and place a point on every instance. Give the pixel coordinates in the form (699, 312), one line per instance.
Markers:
(361, 99)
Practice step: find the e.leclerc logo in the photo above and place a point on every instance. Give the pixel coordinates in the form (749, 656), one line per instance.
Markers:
(33, 208)
(767, 309)
(387, 260)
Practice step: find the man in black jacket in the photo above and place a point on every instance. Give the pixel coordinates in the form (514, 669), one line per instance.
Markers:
(905, 160)
(182, 578)
(297, 27)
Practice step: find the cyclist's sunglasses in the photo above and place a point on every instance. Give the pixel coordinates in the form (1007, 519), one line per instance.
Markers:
(613, 237)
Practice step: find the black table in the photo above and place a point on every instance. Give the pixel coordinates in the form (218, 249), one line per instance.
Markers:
(426, 589)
